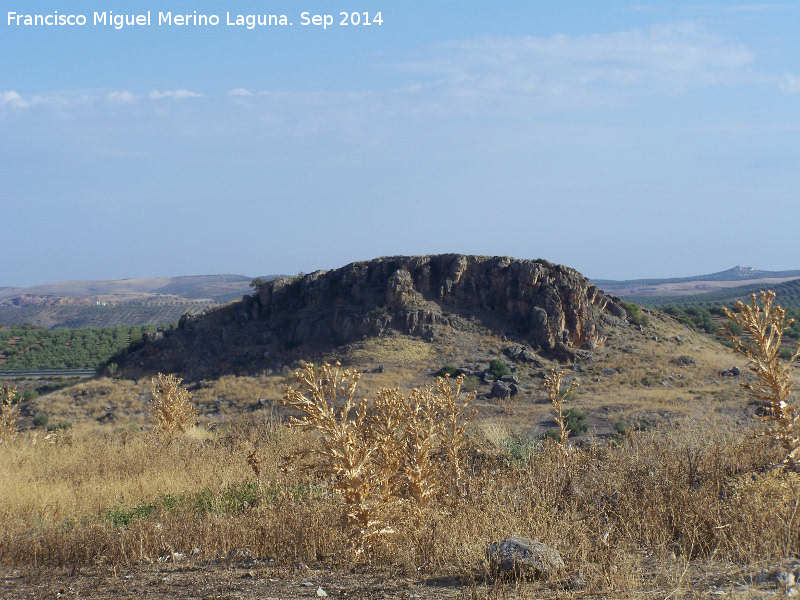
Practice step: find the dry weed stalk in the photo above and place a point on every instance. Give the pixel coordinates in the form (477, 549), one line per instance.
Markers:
(8, 415)
(385, 458)
(173, 410)
(345, 452)
(255, 463)
(455, 414)
(766, 323)
(552, 383)
(405, 433)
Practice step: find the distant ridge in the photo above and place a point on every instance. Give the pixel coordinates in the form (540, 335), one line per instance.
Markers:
(737, 273)
(104, 303)
(788, 296)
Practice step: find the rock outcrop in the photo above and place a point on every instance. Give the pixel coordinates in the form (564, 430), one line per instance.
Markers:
(539, 308)
(551, 307)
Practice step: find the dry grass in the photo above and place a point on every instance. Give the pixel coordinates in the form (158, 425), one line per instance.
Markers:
(646, 510)
(615, 512)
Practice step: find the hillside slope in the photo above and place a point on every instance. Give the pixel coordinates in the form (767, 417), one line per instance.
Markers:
(551, 308)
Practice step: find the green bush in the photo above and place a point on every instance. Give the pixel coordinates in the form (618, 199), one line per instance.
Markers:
(498, 368)
(623, 427)
(448, 371)
(470, 384)
(41, 420)
(30, 395)
(635, 314)
(576, 424)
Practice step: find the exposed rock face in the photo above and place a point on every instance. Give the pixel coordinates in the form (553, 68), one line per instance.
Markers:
(553, 308)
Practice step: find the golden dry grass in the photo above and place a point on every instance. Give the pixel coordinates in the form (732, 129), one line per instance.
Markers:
(694, 492)
(653, 506)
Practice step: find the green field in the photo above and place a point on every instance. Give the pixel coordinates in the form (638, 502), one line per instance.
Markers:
(29, 348)
(128, 314)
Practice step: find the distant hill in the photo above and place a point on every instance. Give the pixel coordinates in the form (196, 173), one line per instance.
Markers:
(637, 290)
(788, 296)
(141, 301)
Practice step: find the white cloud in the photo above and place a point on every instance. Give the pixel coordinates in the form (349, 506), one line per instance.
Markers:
(504, 76)
(122, 97)
(790, 84)
(177, 94)
(13, 100)
(669, 59)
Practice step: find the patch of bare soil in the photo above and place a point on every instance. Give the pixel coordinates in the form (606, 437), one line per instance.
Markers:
(262, 580)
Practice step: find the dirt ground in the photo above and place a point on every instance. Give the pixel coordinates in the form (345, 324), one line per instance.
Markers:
(255, 579)
(245, 582)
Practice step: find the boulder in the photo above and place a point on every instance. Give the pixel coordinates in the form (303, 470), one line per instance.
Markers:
(501, 390)
(524, 557)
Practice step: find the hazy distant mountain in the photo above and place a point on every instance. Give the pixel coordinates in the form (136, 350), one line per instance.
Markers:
(118, 301)
(697, 284)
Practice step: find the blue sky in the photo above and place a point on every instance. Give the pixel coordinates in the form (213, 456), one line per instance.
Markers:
(622, 140)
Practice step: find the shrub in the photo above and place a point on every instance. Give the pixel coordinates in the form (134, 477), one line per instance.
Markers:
(448, 371)
(575, 424)
(519, 449)
(471, 383)
(635, 314)
(29, 395)
(498, 368)
(623, 427)
(41, 420)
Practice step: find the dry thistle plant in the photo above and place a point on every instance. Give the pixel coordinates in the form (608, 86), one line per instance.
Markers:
(345, 453)
(8, 415)
(382, 459)
(405, 432)
(552, 383)
(255, 462)
(455, 414)
(766, 324)
(173, 410)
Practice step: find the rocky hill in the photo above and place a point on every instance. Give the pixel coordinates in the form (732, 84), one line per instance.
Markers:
(551, 308)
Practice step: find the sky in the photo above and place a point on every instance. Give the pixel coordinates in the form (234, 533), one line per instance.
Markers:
(623, 140)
